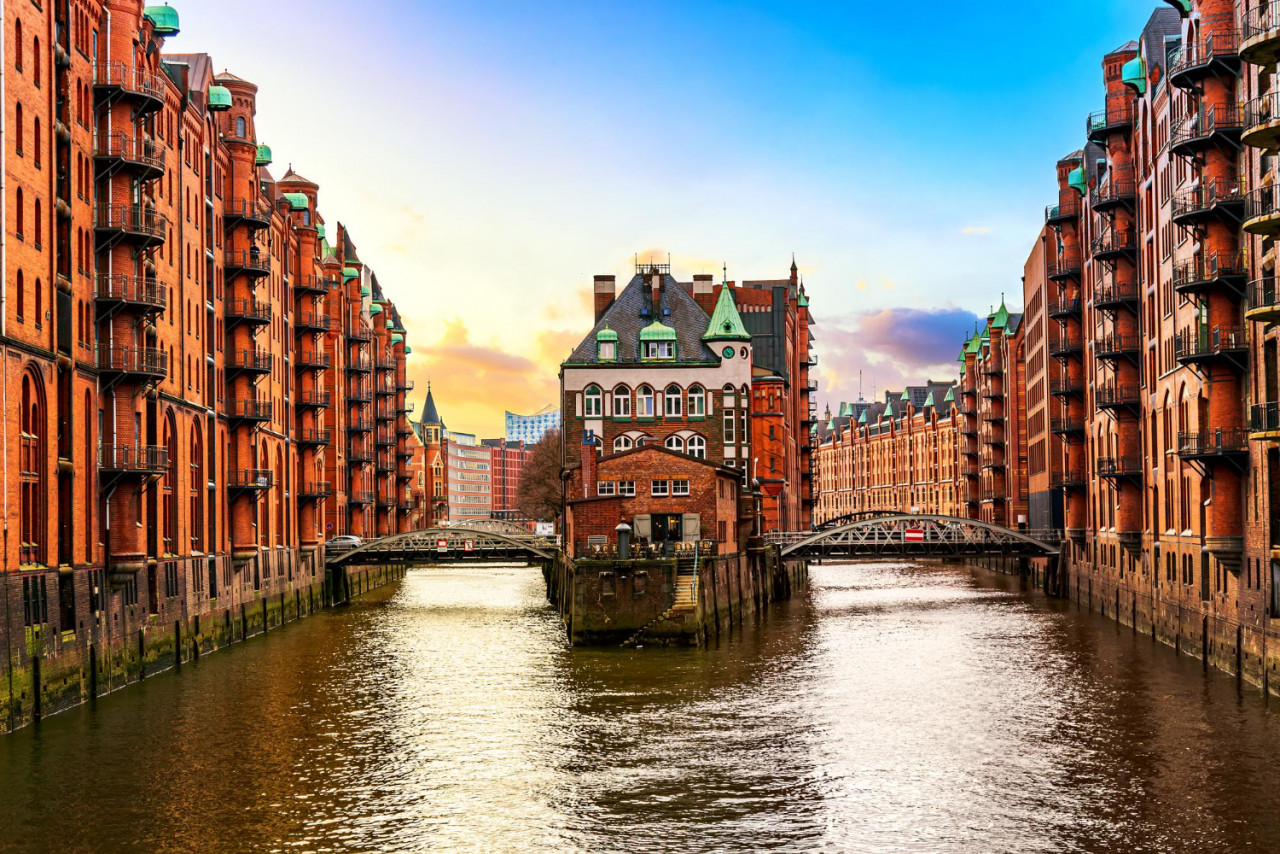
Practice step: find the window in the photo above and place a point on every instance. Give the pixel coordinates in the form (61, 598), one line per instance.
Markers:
(31, 471)
(18, 129)
(622, 402)
(679, 487)
(697, 447)
(660, 488)
(673, 402)
(606, 487)
(675, 443)
(17, 39)
(644, 402)
(22, 214)
(591, 402)
(660, 350)
(622, 443)
(241, 129)
(729, 421)
(697, 402)
(627, 488)
(608, 351)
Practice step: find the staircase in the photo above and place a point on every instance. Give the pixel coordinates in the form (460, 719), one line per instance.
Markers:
(686, 601)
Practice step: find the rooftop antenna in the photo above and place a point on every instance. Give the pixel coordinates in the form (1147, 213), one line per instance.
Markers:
(725, 271)
(859, 385)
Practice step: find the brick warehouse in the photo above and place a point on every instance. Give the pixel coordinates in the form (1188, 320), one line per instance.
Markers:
(192, 364)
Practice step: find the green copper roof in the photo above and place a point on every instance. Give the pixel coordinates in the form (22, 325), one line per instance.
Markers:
(219, 99)
(862, 419)
(803, 301)
(657, 331)
(366, 291)
(888, 409)
(375, 310)
(320, 231)
(397, 338)
(393, 326)
(975, 343)
(905, 396)
(350, 273)
(297, 201)
(407, 349)
(264, 155)
(725, 323)
(1183, 6)
(606, 334)
(1001, 318)
(846, 410)
(1077, 181)
(1134, 74)
(164, 19)
(951, 395)
(928, 401)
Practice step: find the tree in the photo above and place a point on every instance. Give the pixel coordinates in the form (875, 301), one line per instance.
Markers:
(539, 493)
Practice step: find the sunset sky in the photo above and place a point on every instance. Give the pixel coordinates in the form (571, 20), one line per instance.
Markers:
(489, 158)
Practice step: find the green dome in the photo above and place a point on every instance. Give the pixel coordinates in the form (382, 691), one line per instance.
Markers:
(1077, 181)
(164, 19)
(375, 310)
(407, 349)
(397, 338)
(1134, 74)
(606, 334)
(657, 331)
(219, 99)
(264, 155)
(350, 273)
(366, 291)
(320, 230)
(297, 201)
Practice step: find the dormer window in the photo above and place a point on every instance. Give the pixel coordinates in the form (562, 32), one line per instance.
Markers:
(606, 345)
(608, 351)
(660, 350)
(657, 341)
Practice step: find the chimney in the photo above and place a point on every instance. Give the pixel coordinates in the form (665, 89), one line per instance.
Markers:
(655, 283)
(588, 464)
(606, 288)
(704, 291)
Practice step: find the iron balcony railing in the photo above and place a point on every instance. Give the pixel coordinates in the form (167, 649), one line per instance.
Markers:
(1067, 480)
(1115, 294)
(249, 311)
(1062, 387)
(136, 81)
(146, 361)
(319, 399)
(250, 479)
(132, 290)
(312, 360)
(1119, 187)
(1260, 31)
(254, 361)
(250, 260)
(1222, 441)
(315, 489)
(316, 284)
(249, 409)
(360, 395)
(1265, 417)
(1264, 299)
(250, 212)
(359, 365)
(1063, 345)
(1109, 396)
(1115, 345)
(1201, 341)
(310, 321)
(1112, 243)
(360, 456)
(1221, 45)
(1065, 266)
(1207, 198)
(1066, 425)
(404, 385)
(315, 436)
(1119, 466)
(1226, 119)
(359, 333)
(359, 425)
(142, 459)
(1262, 203)
(1117, 114)
(1067, 209)
(133, 219)
(1203, 271)
(1064, 308)
(360, 496)
(138, 152)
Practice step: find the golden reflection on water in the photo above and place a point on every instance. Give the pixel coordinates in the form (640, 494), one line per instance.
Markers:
(892, 708)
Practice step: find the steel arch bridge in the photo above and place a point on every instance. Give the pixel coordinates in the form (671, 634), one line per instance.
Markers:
(446, 545)
(912, 535)
(494, 526)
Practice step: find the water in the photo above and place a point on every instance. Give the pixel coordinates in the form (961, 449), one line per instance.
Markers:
(892, 708)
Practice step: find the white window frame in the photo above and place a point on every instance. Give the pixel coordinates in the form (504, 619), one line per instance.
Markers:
(680, 487)
(674, 443)
(644, 402)
(660, 350)
(627, 488)
(589, 394)
(606, 487)
(696, 446)
(660, 488)
(608, 351)
(622, 443)
(673, 404)
(697, 402)
(730, 422)
(622, 402)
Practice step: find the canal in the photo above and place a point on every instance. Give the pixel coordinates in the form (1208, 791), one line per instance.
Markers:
(893, 707)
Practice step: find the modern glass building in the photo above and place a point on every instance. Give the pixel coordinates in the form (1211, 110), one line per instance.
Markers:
(531, 428)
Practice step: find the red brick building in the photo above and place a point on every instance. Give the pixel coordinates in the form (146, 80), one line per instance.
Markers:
(181, 343)
(506, 466)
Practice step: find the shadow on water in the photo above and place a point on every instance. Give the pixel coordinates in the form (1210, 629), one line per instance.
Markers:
(892, 707)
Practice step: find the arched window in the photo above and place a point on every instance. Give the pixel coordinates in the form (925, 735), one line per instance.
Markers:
(241, 128)
(279, 484)
(169, 486)
(697, 447)
(196, 496)
(591, 398)
(18, 46)
(673, 401)
(674, 443)
(622, 443)
(31, 471)
(18, 129)
(35, 60)
(644, 402)
(21, 214)
(39, 224)
(39, 314)
(697, 401)
(622, 402)
(22, 295)
(35, 140)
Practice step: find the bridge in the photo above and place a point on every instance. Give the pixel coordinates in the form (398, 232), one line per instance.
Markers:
(469, 543)
(905, 535)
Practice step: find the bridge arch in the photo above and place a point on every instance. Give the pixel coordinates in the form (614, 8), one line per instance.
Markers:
(445, 545)
(918, 535)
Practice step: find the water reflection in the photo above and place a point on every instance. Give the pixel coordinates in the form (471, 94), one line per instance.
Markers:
(894, 708)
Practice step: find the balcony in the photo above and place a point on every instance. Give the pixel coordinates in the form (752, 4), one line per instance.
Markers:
(1112, 397)
(113, 81)
(991, 416)
(385, 390)
(136, 224)
(1119, 189)
(359, 365)
(114, 152)
(249, 410)
(1262, 211)
(1114, 245)
(1221, 271)
(1260, 33)
(1114, 468)
(359, 425)
(1067, 480)
(384, 363)
(1066, 426)
(254, 362)
(1222, 344)
(1112, 296)
(314, 399)
(315, 490)
(315, 285)
(1264, 301)
(131, 292)
(1216, 54)
(251, 262)
(968, 430)
(360, 496)
(1064, 308)
(1264, 421)
(1215, 201)
(310, 321)
(141, 460)
(249, 480)
(384, 412)
(1229, 443)
(403, 429)
(404, 453)
(250, 312)
(1062, 268)
(1115, 117)
(359, 334)
(1118, 345)
(1219, 125)
(245, 212)
(1065, 345)
(359, 456)
(1064, 211)
(311, 360)
(144, 363)
(405, 386)
(1061, 387)
(384, 438)
(360, 395)
(313, 437)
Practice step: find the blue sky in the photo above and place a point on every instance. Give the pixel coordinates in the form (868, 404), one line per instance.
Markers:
(489, 158)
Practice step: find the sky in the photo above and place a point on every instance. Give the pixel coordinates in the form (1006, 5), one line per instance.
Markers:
(490, 157)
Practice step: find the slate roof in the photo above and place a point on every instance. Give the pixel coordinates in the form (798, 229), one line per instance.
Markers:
(348, 245)
(430, 415)
(632, 311)
(1164, 22)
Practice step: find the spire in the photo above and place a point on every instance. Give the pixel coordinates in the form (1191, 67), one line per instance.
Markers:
(795, 272)
(430, 415)
(726, 323)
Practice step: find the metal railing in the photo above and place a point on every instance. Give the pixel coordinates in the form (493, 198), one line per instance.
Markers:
(1116, 395)
(133, 458)
(250, 479)
(1203, 269)
(1112, 242)
(1117, 113)
(1116, 344)
(1262, 21)
(1220, 441)
(249, 360)
(246, 259)
(150, 361)
(137, 290)
(1202, 125)
(250, 409)
(1264, 417)
(1120, 186)
(1199, 341)
(1222, 44)
(1119, 466)
(122, 146)
(249, 310)
(139, 81)
(315, 398)
(134, 219)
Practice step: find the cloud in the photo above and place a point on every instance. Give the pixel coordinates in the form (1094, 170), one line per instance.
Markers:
(975, 230)
(892, 347)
